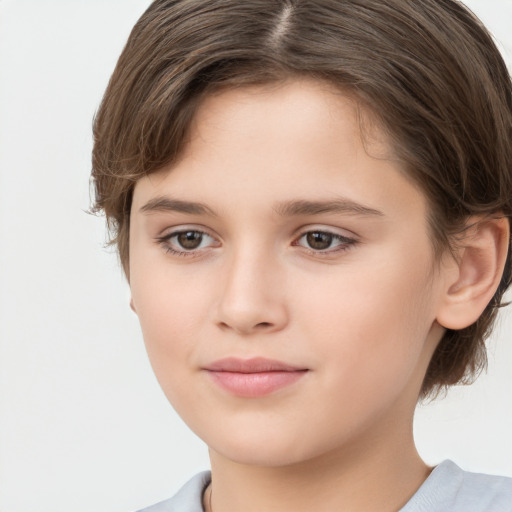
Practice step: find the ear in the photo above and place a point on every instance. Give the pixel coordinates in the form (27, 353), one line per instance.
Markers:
(132, 306)
(474, 275)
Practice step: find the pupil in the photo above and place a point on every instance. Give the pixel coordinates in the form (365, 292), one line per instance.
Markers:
(190, 239)
(319, 241)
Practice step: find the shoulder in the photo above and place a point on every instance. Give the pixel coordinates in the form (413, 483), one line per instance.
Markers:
(447, 489)
(188, 498)
(450, 489)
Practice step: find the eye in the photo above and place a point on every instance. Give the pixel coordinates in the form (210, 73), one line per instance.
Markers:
(324, 241)
(189, 239)
(186, 242)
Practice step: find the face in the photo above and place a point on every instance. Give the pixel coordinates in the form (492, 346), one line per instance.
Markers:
(283, 276)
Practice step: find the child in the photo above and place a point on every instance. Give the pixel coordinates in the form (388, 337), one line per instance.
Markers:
(311, 200)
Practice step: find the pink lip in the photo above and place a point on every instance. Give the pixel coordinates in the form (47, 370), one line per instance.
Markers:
(253, 377)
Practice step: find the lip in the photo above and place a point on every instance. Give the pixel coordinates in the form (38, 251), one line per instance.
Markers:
(253, 377)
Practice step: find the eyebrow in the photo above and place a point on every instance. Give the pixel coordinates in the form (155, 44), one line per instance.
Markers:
(338, 205)
(285, 209)
(168, 204)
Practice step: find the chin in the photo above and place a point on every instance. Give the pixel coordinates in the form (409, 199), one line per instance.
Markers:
(272, 450)
(260, 456)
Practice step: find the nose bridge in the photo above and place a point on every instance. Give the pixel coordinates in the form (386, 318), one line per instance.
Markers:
(252, 296)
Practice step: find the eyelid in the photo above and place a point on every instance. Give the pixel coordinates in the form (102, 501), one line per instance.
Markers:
(346, 241)
(169, 231)
(331, 230)
(164, 240)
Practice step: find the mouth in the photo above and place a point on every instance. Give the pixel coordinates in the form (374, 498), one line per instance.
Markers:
(254, 377)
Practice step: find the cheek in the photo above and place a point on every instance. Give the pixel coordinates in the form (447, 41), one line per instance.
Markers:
(370, 326)
(167, 297)
(169, 334)
(168, 317)
(168, 309)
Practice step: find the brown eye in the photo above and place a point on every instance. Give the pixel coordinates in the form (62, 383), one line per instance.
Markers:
(189, 239)
(324, 242)
(187, 242)
(318, 240)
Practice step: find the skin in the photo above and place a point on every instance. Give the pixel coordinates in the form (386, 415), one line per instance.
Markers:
(360, 316)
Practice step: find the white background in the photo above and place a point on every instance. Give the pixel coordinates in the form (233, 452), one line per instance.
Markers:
(84, 426)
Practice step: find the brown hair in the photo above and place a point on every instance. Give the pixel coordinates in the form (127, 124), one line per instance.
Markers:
(428, 70)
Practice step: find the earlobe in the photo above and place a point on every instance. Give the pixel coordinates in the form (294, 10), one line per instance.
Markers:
(476, 273)
(132, 306)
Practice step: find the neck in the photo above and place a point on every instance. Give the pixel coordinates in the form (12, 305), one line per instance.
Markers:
(370, 476)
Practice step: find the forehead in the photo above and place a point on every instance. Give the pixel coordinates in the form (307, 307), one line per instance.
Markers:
(279, 142)
(286, 107)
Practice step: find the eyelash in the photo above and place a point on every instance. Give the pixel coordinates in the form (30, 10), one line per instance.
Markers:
(345, 243)
(165, 240)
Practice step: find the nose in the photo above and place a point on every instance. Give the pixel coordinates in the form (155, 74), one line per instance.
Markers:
(252, 298)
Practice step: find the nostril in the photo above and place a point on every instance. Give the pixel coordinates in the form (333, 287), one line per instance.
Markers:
(264, 324)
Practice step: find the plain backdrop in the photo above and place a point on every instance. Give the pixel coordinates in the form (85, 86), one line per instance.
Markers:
(84, 426)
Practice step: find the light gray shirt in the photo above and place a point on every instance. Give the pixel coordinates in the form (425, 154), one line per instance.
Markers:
(447, 489)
